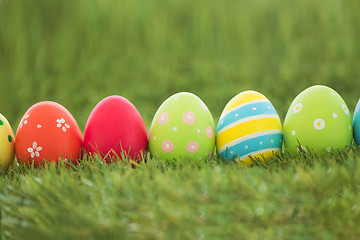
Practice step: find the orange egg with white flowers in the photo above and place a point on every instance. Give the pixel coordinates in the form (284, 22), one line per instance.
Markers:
(48, 132)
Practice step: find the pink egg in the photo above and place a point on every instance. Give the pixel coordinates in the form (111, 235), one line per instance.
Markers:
(115, 129)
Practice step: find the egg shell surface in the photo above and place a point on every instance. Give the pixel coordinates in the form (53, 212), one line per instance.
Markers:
(7, 145)
(182, 127)
(115, 128)
(318, 119)
(248, 126)
(356, 123)
(48, 132)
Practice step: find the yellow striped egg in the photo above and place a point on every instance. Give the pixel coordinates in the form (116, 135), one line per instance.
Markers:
(248, 126)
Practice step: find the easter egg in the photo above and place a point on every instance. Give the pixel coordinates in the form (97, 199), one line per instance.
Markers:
(356, 123)
(115, 129)
(318, 119)
(249, 126)
(48, 131)
(182, 127)
(6, 143)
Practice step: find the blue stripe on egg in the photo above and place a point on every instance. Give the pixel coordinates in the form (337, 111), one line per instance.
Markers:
(250, 109)
(252, 145)
(356, 123)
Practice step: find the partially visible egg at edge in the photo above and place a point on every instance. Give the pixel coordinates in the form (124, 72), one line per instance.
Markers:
(356, 123)
(7, 145)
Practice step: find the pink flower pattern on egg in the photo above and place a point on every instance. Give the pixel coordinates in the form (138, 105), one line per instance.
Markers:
(163, 117)
(167, 146)
(189, 117)
(209, 132)
(192, 147)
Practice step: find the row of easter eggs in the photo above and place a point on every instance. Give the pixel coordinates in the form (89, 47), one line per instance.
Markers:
(249, 127)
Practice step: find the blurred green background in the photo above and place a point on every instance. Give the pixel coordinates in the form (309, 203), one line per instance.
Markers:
(78, 52)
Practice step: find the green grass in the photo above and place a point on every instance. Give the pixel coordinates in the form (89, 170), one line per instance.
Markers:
(306, 198)
(78, 52)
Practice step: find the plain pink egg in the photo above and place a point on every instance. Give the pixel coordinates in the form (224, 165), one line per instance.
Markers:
(115, 129)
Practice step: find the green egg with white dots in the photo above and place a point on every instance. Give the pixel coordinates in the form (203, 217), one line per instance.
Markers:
(182, 127)
(318, 120)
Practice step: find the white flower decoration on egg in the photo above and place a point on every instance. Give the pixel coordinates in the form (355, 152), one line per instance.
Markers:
(24, 120)
(297, 108)
(62, 124)
(34, 150)
(346, 110)
(319, 124)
